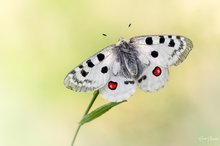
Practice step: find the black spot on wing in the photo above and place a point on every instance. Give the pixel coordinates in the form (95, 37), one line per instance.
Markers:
(171, 43)
(101, 56)
(90, 64)
(104, 69)
(84, 73)
(80, 66)
(144, 77)
(162, 39)
(154, 54)
(178, 37)
(72, 72)
(128, 82)
(149, 41)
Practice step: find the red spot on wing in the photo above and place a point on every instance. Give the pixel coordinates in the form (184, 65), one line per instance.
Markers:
(157, 71)
(112, 85)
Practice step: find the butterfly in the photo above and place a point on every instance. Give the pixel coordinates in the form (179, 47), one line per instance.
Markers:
(118, 69)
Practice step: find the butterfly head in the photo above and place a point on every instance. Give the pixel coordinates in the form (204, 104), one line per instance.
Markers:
(123, 45)
(121, 40)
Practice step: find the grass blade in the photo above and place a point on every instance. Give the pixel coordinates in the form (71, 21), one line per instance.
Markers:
(98, 112)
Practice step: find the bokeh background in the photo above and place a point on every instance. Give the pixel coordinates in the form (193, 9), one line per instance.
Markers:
(42, 40)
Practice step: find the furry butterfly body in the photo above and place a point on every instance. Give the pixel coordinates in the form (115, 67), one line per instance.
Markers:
(118, 69)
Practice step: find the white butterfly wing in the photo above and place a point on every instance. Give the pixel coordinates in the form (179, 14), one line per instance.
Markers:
(93, 73)
(153, 78)
(118, 88)
(157, 53)
(164, 50)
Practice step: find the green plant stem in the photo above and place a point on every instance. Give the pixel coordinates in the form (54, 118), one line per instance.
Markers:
(95, 94)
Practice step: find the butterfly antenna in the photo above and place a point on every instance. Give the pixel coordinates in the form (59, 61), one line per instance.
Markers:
(108, 37)
(124, 32)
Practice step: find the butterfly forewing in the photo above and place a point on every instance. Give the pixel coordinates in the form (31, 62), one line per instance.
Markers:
(164, 50)
(157, 53)
(93, 73)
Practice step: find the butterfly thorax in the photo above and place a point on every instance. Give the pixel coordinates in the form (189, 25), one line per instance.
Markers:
(127, 56)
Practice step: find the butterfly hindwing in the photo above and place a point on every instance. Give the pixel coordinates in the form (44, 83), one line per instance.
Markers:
(93, 73)
(163, 50)
(119, 87)
(153, 77)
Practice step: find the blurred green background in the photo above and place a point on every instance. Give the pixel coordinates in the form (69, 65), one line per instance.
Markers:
(42, 40)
